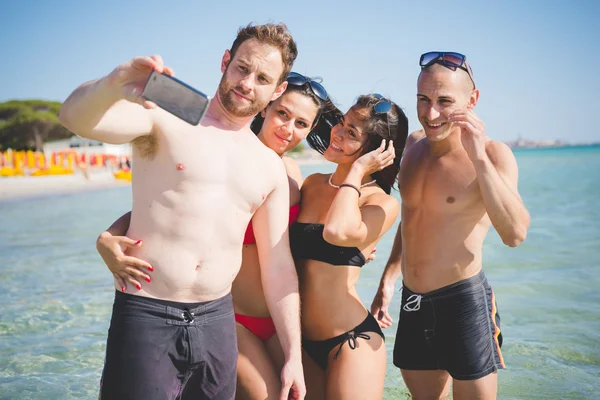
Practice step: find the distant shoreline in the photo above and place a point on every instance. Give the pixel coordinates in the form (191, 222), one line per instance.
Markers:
(26, 188)
(564, 146)
(309, 156)
(29, 187)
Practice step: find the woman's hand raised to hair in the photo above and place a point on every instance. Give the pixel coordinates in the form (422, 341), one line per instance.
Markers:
(377, 159)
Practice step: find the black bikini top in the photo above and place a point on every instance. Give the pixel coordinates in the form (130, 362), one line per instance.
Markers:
(307, 243)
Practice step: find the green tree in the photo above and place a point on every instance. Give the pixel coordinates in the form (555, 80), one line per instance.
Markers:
(27, 124)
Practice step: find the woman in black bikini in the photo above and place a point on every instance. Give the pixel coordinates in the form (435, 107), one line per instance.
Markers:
(342, 217)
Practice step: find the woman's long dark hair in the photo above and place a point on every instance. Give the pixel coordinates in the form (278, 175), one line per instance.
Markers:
(328, 115)
(376, 126)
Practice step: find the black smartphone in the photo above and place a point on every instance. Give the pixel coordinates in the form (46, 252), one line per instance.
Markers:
(176, 97)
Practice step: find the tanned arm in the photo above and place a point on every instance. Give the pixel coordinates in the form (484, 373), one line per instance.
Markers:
(497, 174)
(111, 109)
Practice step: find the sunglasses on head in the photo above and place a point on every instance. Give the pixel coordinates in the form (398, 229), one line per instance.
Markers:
(448, 59)
(297, 79)
(383, 106)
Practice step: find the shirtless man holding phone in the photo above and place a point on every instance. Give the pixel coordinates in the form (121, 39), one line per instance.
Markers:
(192, 202)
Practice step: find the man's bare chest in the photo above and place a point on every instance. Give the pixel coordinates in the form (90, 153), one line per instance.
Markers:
(206, 166)
(439, 185)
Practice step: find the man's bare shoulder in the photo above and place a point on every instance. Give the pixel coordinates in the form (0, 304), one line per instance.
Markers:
(497, 148)
(269, 164)
(414, 142)
(290, 163)
(265, 155)
(498, 152)
(414, 137)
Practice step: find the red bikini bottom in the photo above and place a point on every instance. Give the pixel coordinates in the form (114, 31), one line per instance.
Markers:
(262, 327)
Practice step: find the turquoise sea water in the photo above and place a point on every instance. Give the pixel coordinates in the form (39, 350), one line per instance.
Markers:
(56, 296)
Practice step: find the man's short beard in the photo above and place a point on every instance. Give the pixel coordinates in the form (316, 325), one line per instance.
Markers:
(226, 96)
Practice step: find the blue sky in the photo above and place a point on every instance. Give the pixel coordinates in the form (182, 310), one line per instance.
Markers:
(534, 61)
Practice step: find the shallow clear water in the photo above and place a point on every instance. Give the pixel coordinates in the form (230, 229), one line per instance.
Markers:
(56, 295)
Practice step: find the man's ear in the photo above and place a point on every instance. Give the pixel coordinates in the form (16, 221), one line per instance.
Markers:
(279, 91)
(473, 99)
(225, 61)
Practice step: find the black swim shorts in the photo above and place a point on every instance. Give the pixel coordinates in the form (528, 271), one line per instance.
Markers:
(455, 328)
(159, 350)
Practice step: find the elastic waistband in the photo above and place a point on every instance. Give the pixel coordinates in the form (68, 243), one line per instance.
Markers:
(221, 305)
(472, 282)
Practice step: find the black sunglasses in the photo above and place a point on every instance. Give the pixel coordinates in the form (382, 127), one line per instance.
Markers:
(448, 59)
(297, 79)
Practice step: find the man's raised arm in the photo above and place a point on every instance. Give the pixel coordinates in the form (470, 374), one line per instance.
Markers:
(280, 280)
(497, 174)
(111, 108)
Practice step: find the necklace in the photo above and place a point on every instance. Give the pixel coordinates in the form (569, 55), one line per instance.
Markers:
(361, 186)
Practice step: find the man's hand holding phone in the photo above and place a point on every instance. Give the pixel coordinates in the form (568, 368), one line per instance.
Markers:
(148, 82)
(128, 79)
(176, 97)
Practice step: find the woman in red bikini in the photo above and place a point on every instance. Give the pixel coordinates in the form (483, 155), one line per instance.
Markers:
(303, 111)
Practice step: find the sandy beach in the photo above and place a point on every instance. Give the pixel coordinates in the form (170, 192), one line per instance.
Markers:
(18, 188)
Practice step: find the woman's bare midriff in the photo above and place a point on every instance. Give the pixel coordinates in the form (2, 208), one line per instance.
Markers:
(330, 302)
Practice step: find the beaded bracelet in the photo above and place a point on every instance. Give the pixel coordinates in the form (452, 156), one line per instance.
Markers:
(351, 186)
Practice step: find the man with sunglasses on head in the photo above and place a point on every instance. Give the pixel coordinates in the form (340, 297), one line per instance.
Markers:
(455, 183)
(195, 188)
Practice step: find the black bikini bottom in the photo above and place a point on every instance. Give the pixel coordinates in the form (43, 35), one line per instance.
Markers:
(319, 350)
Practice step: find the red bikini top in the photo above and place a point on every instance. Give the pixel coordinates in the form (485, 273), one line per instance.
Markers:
(249, 236)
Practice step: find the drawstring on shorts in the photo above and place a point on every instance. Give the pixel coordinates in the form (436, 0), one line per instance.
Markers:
(413, 303)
